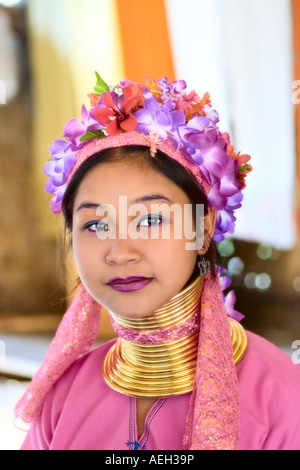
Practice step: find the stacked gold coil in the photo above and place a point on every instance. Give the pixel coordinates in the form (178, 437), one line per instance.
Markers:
(168, 369)
(148, 370)
(152, 370)
(239, 340)
(181, 307)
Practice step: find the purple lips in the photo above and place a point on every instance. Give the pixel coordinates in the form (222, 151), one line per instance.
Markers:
(129, 284)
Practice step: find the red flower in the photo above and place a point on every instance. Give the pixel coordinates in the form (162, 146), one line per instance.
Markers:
(116, 113)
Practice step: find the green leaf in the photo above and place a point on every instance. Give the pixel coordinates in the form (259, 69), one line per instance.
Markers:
(244, 167)
(90, 135)
(101, 86)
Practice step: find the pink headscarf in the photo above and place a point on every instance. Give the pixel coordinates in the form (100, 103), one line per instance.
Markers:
(213, 421)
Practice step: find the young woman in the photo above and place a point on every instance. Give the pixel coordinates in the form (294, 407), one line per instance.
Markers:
(147, 184)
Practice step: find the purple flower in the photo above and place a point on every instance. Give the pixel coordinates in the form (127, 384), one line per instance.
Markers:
(203, 145)
(75, 129)
(220, 270)
(230, 300)
(88, 119)
(57, 191)
(63, 160)
(171, 90)
(211, 114)
(226, 187)
(225, 219)
(55, 206)
(235, 201)
(58, 169)
(190, 146)
(225, 224)
(162, 120)
(225, 282)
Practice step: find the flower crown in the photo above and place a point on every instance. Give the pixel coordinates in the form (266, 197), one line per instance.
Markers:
(163, 111)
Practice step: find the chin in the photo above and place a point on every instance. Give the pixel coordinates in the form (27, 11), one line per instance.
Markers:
(134, 313)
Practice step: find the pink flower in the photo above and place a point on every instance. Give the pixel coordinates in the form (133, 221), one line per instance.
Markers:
(185, 101)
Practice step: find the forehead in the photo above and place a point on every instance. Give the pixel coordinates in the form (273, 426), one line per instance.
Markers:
(112, 179)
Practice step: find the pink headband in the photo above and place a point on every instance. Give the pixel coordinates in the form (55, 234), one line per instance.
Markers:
(135, 138)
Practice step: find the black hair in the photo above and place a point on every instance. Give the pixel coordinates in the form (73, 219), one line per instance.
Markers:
(161, 163)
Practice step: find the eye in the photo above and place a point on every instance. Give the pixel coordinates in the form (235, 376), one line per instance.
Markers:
(150, 220)
(96, 226)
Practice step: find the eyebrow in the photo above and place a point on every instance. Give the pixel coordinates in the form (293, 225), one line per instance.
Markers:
(139, 200)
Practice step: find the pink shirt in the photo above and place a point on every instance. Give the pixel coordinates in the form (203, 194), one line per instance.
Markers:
(82, 413)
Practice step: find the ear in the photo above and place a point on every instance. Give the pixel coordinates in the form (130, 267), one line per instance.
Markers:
(209, 230)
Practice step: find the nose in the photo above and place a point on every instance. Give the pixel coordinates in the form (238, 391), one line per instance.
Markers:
(122, 251)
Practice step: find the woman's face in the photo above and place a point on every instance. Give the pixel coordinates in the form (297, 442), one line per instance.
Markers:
(119, 244)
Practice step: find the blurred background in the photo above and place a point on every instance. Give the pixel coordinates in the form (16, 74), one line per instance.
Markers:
(245, 53)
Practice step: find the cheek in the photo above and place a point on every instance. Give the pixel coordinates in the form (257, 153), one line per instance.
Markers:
(176, 255)
(83, 253)
(188, 255)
